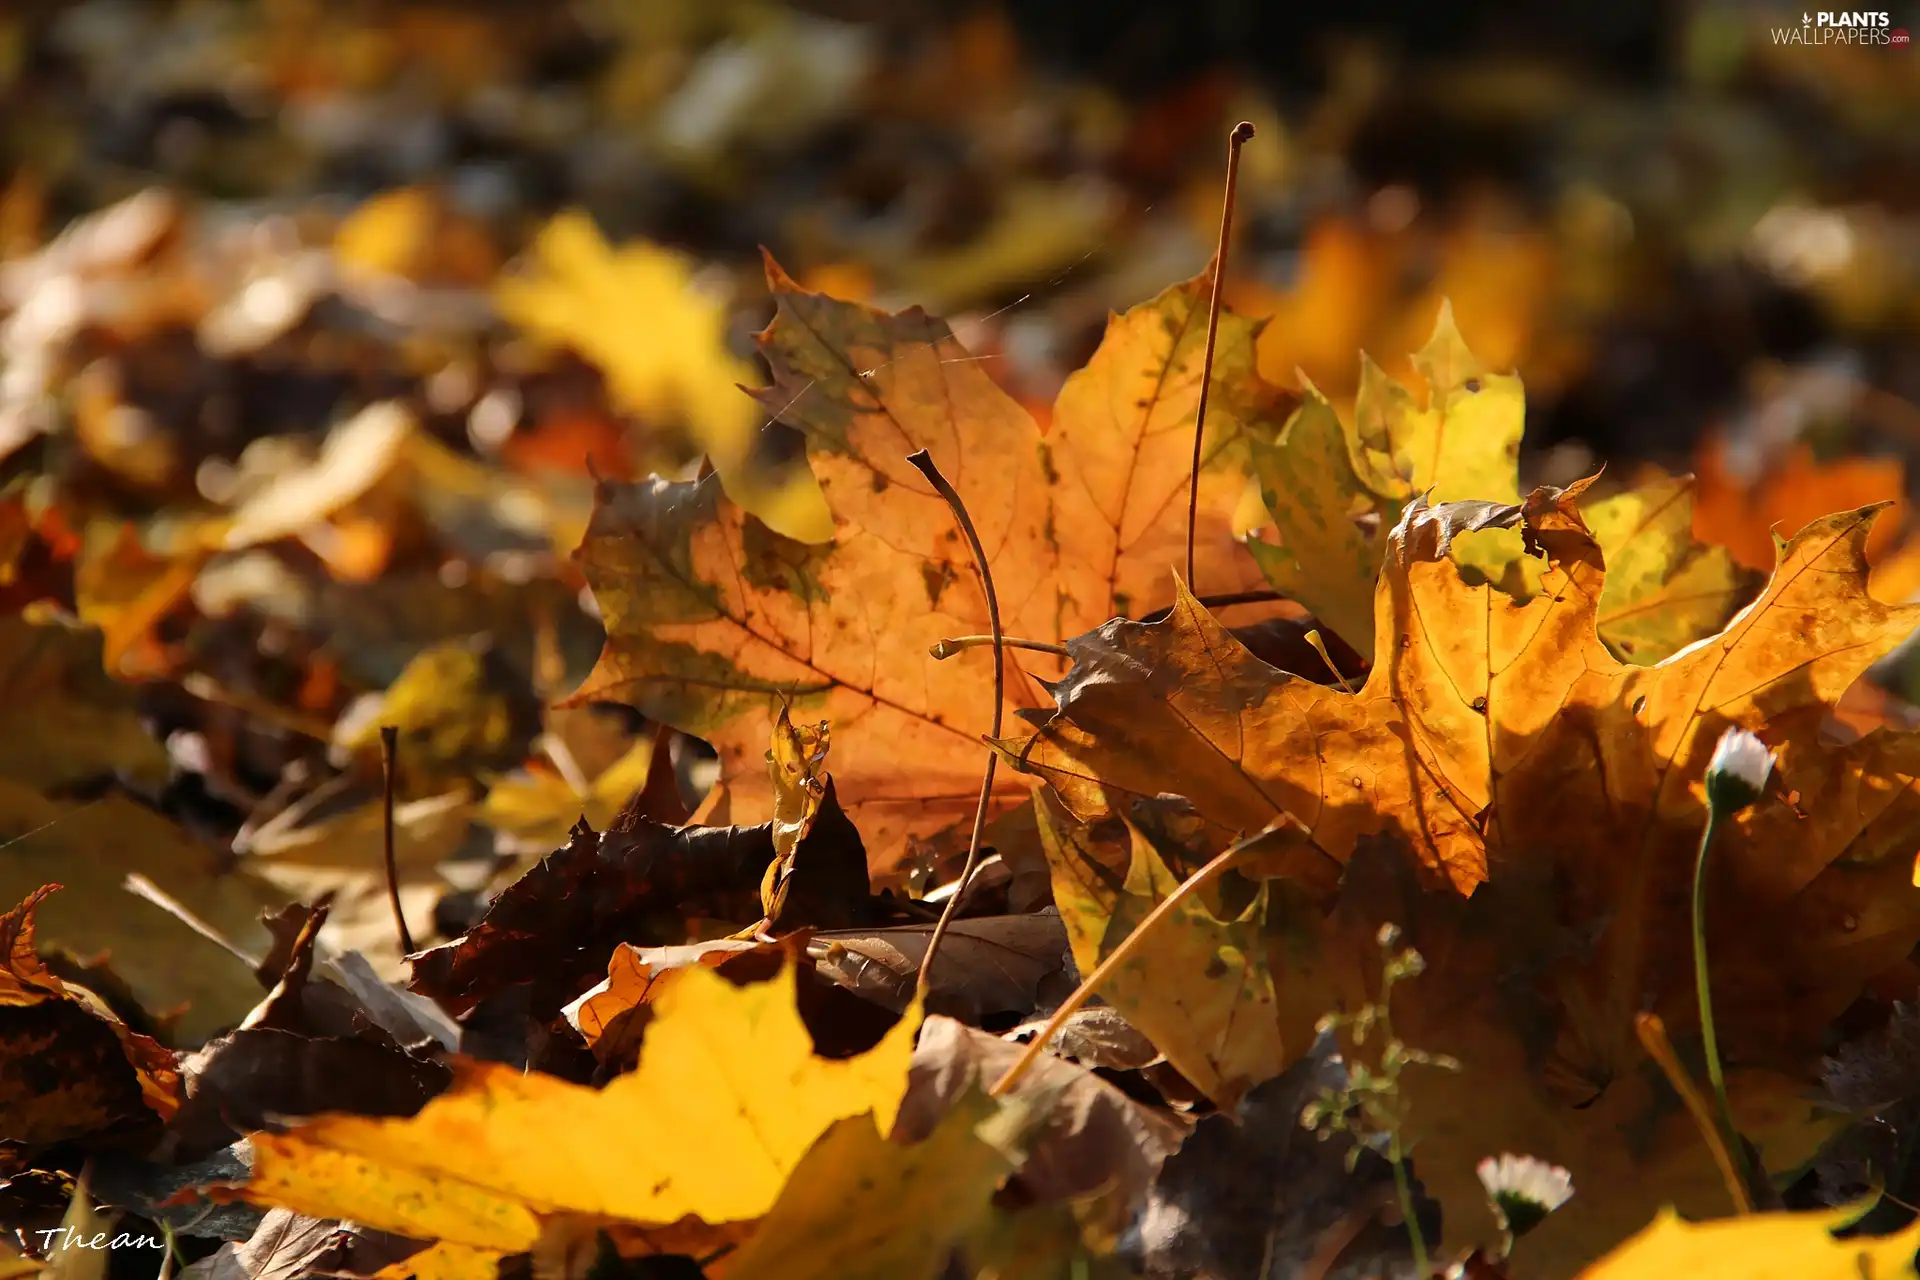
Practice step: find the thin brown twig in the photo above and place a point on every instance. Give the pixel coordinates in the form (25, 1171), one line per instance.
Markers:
(1092, 983)
(390, 753)
(1241, 132)
(944, 649)
(923, 462)
(1652, 1031)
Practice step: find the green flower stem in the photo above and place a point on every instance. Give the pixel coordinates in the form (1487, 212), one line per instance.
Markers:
(1709, 1042)
(1422, 1267)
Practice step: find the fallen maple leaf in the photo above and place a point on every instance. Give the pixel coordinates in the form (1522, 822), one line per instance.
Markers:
(1329, 485)
(860, 1207)
(1500, 739)
(727, 1099)
(1766, 1246)
(712, 617)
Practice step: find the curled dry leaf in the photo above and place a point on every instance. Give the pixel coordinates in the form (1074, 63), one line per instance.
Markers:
(602, 889)
(1094, 1036)
(259, 1077)
(69, 1070)
(989, 967)
(1092, 1138)
(712, 618)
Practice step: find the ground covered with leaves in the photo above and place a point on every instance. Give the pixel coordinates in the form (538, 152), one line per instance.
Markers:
(498, 695)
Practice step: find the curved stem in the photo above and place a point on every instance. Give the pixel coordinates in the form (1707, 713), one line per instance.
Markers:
(923, 462)
(390, 751)
(1119, 956)
(1703, 989)
(944, 649)
(1241, 132)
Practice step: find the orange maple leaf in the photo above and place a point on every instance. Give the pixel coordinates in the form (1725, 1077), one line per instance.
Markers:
(712, 618)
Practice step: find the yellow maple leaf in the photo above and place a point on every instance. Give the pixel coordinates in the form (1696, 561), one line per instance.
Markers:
(634, 312)
(1765, 1246)
(1324, 480)
(727, 1098)
(859, 1207)
(713, 619)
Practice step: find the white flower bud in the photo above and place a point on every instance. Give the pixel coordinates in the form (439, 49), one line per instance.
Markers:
(1524, 1190)
(1737, 774)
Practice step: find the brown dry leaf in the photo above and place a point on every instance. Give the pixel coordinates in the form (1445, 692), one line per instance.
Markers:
(712, 618)
(727, 1099)
(1501, 740)
(987, 966)
(1198, 986)
(1093, 1139)
(600, 889)
(69, 1070)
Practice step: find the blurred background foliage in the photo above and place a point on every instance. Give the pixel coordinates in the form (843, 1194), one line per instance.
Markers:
(317, 318)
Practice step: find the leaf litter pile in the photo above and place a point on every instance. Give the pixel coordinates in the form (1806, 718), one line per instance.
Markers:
(1341, 829)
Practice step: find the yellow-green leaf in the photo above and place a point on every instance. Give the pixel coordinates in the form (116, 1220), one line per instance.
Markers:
(1197, 986)
(1324, 560)
(1664, 590)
